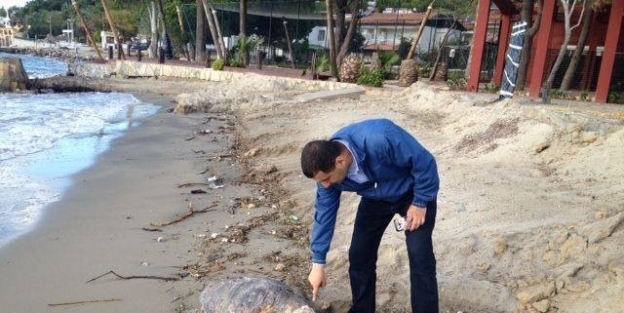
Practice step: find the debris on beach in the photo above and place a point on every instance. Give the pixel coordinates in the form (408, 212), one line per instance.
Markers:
(247, 295)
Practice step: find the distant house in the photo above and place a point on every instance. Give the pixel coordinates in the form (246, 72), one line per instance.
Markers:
(383, 31)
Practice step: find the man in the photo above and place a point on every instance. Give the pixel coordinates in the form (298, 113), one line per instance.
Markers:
(394, 174)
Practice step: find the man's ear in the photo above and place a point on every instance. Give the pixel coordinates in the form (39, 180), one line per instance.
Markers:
(341, 160)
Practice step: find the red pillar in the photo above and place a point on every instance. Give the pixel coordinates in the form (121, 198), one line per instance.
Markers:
(608, 57)
(543, 41)
(483, 16)
(503, 44)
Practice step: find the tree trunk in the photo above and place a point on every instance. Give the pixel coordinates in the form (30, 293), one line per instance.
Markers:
(224, 51)
(153, 48)
(578, 52)
(440, 48)
(331, 39)
(166, 39)
(340, 17)
(243, 29)
(86, 29)
(527, 16)
(290, 51)
(113, 29)
(200, 34)
(183, 32)
(213, 31)
(412, 50)
(355, 18)
(568, 12)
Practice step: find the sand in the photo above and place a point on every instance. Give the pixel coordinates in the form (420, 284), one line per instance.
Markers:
(529, 220)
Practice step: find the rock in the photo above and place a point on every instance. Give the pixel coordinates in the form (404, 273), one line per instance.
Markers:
(500, 247)
(247, 295)
(542, 306)
(536, 293)
(598, 231)
(12, 75)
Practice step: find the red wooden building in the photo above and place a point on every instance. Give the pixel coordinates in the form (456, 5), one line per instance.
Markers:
(604, 45)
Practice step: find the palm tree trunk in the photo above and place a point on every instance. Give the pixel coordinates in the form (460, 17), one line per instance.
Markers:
(412, 50)
(213, 31)
(86, 29)
(113, 29)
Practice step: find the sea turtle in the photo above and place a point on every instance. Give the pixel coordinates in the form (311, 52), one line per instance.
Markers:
(252, 295)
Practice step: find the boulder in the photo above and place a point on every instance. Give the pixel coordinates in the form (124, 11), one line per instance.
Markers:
(12, 75)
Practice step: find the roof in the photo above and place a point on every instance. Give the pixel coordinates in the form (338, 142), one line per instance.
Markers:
(381, 19)
(380, 47)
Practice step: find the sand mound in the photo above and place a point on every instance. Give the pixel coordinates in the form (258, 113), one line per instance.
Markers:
(530, 209)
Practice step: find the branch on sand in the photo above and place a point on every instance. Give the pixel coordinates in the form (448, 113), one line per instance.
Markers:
(135, 277)
(83, 302)
(190, 213)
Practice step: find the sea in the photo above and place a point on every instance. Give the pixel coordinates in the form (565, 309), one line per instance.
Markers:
(46, 138)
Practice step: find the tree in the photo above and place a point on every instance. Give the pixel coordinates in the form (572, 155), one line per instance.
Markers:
(578, 52)
(243, 31)
(526, 15)
(200, 34)
(568, 10)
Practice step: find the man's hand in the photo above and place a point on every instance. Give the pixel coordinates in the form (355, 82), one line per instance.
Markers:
(415, 217)
(317, 279)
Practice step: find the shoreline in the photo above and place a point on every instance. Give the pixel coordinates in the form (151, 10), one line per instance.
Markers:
(97, 225)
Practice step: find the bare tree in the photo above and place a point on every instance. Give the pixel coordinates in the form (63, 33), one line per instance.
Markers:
(355, 17)
(568, 10)
(532, 27)
(578, 52)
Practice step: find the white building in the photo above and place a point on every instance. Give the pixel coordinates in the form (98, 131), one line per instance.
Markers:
(383, 31)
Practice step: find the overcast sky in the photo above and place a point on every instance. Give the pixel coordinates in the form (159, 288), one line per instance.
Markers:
(9, 3)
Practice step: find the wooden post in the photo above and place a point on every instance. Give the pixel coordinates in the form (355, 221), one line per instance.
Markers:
(86, 29)
(608, 57)
(114, 30)
(503, 43)
(543, 41)
(213, 32)
(478, 47)
(423, 23)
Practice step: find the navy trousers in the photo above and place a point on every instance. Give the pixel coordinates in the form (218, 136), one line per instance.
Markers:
(372, 218)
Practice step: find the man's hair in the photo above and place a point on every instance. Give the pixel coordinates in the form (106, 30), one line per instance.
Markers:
(319, 155)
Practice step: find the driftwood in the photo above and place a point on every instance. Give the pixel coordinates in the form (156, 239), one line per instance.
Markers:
(192, 185)
(190, 213)
(83, 302)
(135, 277)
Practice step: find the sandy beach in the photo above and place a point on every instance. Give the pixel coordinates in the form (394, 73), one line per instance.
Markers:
(530, 211)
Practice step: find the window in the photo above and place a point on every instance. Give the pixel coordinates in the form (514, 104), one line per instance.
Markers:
(321, 35)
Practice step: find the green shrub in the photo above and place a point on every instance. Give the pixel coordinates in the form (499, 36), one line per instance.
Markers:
(237, 63)
(373, 79)
(218, 65)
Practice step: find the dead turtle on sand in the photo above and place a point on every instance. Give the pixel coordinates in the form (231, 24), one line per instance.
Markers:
(252, 295)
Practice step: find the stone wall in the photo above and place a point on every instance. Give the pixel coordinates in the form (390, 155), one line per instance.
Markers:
(142, 69)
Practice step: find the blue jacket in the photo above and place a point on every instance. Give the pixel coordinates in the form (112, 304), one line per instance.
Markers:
(395, 164)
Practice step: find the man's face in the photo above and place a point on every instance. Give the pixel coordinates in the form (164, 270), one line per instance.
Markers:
(334, 177)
